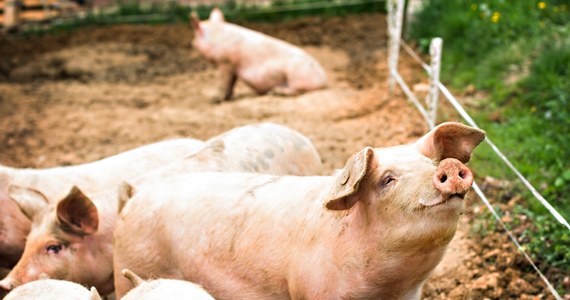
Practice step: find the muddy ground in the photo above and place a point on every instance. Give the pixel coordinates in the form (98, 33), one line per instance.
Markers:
(85, 95)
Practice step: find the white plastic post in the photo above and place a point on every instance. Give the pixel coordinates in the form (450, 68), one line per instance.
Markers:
(432, 97)
(11, 14)
(395, 16)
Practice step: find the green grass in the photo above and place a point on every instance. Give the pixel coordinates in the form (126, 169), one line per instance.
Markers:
(518, 52)
(163, 13)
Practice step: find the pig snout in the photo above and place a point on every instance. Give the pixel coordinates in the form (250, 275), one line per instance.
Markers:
(452, 178)
(7, 284)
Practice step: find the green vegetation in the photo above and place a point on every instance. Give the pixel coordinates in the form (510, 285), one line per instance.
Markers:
(132, 11)
(518, 53)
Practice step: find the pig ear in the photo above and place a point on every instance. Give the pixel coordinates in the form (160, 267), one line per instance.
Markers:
(95, 294)
(29, 200)
(195, 21)
(77, 213)
(450, 140)
(342, 196)
(216, 15)
(134, 278)
(126, 192)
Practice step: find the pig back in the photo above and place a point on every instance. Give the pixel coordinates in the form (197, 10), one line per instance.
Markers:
(263, 148)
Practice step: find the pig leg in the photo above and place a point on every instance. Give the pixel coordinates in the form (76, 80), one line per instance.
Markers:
(284, 90)
(229, 78)
(301, 76)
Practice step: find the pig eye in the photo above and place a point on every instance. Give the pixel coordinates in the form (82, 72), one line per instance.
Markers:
(387, 180)
(53, 248)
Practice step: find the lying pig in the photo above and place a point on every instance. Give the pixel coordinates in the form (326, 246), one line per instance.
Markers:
(50, 289)
(163, 289)
(374, 231)
(261, 61)
(72, 239)
(41, 186)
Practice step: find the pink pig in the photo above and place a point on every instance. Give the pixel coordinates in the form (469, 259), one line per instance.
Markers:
(163, 289)
(51, 289)
(72, 239)
(49, 185)
(261, 61)
(375, 230)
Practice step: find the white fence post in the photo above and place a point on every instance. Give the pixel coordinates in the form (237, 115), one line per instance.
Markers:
(395, 15)
(432, 98)
(11, 14)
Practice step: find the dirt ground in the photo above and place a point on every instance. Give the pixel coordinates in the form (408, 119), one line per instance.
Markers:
(85, 95)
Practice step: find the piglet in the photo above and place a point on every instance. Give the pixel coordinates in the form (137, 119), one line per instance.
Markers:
(375, 230)
(262, 62)
(51, 289)
(163, 289)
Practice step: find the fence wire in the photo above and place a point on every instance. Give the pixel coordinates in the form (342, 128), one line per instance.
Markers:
(469, 120)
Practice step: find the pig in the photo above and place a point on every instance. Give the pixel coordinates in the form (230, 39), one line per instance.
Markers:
(163, 289)
(72, 239)
(51, 184)
(262, 62)
(374, 230)
(51, 289)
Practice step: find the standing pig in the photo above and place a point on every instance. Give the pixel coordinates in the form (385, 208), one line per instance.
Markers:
(41, 186)
(374, 231)
(51, 289)
(72, 239)
(163, 289)
(261, 61)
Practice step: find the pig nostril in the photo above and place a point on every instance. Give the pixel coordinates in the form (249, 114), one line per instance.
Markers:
(443, 178)
(461, 174)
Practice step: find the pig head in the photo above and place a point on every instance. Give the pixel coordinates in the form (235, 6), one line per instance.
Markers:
(375, 230)
(262, 62)
(66, 241)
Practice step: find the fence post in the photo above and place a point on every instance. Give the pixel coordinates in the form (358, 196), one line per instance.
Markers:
(432, 97)
(11, 14)
(395, 15)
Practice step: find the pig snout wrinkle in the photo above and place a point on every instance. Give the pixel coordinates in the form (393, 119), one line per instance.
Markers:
(452, 178)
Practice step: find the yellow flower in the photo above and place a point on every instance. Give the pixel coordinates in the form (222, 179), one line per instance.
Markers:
(473, 6)
(541, 5)
(495, 17)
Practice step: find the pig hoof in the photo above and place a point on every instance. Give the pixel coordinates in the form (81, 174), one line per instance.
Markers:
(217, 100)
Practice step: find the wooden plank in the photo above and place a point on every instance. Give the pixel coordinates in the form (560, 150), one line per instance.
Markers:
(38, 2)
(36, 15)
